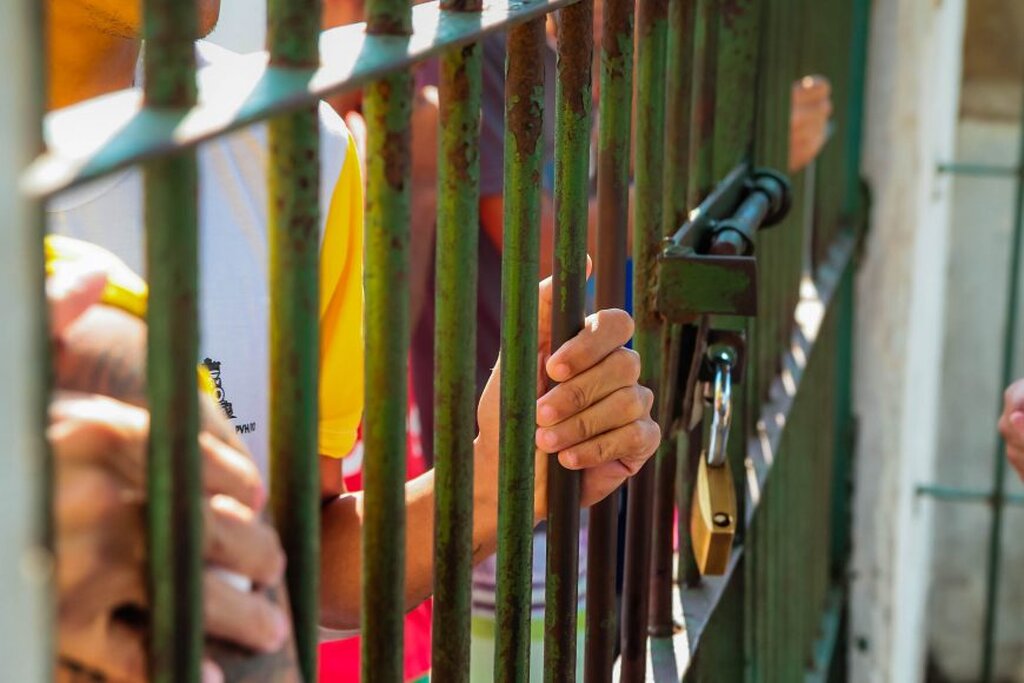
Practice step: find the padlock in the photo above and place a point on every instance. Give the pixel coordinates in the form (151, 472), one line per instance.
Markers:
(713, 509)
(713, 517)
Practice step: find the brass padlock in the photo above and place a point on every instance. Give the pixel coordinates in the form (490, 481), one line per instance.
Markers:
(713, 517)
(713, 509)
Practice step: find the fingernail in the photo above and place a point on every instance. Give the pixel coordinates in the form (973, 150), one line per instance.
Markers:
(547, 438)
(212, 673)
(560, 372)
(569, 460)
(547, 414)
(282, 628)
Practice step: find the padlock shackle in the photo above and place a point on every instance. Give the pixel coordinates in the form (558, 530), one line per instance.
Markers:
(721, 417)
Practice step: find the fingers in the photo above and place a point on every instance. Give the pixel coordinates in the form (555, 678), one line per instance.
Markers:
(248, 619)
(69, 292)
(629, 447)
(113, 650)
(236, 540)
(603, 333)
(88, 428)
(1013, 397)
(811, 89)
(624, 406)
(617, 370)
(228, 471)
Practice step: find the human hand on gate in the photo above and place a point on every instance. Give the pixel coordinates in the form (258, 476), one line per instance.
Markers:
(598, 418)
(808, 123)
(99, 445)
(1011, 425)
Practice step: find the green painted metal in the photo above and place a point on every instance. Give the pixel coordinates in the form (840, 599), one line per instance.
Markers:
(651, 53)
(572, 174)
(294, 249)
(174, 482)
(957, 494)
(387, 105)
(350, 59)
(679, 105)
(993, 568)
(729, 66)
(455, 354)
(985, 170)
(613, 172)
(524, 102)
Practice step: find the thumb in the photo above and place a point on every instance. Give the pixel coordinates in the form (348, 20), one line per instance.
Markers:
(69, 292)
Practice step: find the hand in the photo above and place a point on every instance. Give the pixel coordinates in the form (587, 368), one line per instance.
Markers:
(808, 123)
(598, 418)
(99, 448)
(1011, 425)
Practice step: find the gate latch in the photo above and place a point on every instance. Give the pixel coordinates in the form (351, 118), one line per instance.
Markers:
(708, 266)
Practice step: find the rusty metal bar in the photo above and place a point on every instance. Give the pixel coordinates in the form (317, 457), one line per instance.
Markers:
(174, 483)
(524, 114)
(613, 166)
(293, 237)
(387, 104)
(652, 20)
(678, 124)
(455, 353)
(572, 166)
(26, 476)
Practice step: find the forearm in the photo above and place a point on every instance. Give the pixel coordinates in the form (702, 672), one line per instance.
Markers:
(341, 558)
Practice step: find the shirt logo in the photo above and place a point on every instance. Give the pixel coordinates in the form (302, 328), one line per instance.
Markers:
(213, 367)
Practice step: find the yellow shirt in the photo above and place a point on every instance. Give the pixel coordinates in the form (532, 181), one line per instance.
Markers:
(341, 296)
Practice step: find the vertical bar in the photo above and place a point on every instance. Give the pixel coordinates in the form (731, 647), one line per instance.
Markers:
(652, 20)
(995, 550)
(524, 102)
(573, 103)
(455, 354)
(679, 100)
(387, 104)
(294, 245)
(174, 512)
(615, 105)
(26, 568)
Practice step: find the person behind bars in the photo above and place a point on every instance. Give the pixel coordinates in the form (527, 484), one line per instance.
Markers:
(94, 50)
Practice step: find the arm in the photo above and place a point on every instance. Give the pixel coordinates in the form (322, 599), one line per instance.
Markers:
(597, 419)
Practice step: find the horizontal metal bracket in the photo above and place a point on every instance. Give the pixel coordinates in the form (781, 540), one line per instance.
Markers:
(707, 266)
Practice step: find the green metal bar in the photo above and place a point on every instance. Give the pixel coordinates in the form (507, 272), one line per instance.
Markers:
(294, 244)
(572, 174)
(26, 471)
(524, 102)
(956, 494)
(616, 90)
(651, 49)
(984, 170)
(349, 59)
(174, 482)
(387, 104)
(679, 101)
(995, 547)
(455, 354)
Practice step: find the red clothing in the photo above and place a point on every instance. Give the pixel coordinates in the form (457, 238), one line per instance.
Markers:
(339, 659)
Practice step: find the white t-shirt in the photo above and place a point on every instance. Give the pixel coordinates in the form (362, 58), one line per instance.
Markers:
(233, 253)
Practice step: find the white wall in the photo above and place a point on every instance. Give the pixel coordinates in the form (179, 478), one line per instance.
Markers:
(242, 25)
(911, 111)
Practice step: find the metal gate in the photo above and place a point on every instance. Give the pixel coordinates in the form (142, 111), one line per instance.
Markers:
(713, 302)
